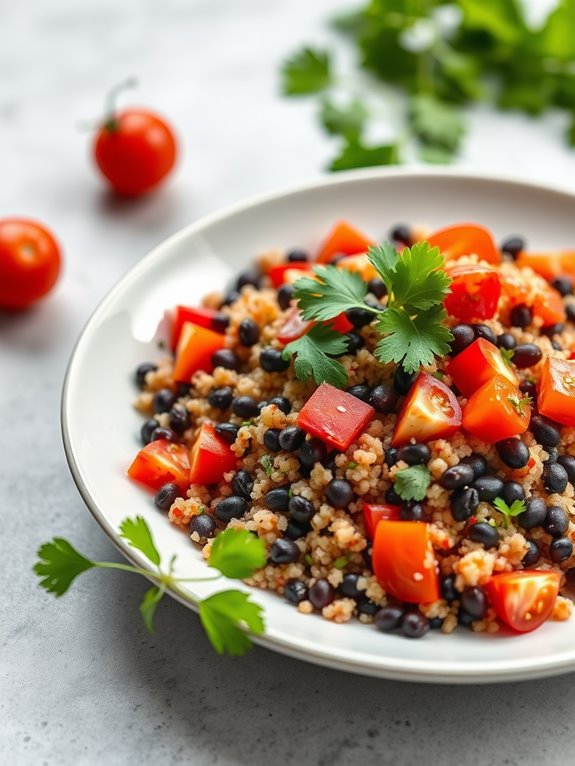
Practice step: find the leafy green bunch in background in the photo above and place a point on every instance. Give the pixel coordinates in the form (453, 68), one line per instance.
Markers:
(442, 56)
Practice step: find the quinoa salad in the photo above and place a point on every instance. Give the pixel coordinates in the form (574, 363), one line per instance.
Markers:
(394, 419)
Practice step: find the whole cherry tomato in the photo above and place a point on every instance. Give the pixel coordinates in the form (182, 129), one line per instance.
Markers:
(135, 149)
(30, 262)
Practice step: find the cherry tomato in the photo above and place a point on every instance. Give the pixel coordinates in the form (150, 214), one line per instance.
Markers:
(160, 462)
(403, 561)
(195, 348)
(475, 292)
(294, 326)
(523, 600)
(343, 239)
(497, 410)
(477, 364)
(30, 262)
(556, 391)
(211, 457)
(289, 272)
(549, 265)
(549, 306)
(200, 316)
(466, 239)
(334, 416)
(373, 513)
(430, 411)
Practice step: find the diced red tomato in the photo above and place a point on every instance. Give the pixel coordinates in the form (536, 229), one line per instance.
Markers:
(211, 457)
(373, 513)
(477, 364)
(294, 326)
(194, 352)
(549, 265)
(549, 306)
(556, 391)
(475, 291)
(466, 239)
(403, 561)
(430, 411)
(523, 600)
(341, 323)
(200, 316)
(343, 239)
(360, 264)
(334, 416)
(497, 410)
(280, 274)
(161, 462)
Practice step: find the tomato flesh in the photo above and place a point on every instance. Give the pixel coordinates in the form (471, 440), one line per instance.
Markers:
(161, 462)
(477, 364)
(556, 391)
(466, 239)
(475, 292)
(401, 550)
(373, 513)
(343, 239)
(334, 416)
(523, 600)
(281, 274)
(294, 326)
(211, 457)
(549, 265)
(194, 352)
(430, 411)
(200, 316)
(549, 306)
(496, 411)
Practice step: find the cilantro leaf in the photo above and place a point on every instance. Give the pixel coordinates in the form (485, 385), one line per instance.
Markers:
(509, 511)
(412, 483)
(355, 154)
(148, 605)
(311, 359)
(435, 123)
(332, 292)
(59, 564)
(224, 616)
(307, 71)
(137, 533)
(346, 121)
(384, 259)
(419, 283)
(237, 553)
(412, 340)
(267, 464)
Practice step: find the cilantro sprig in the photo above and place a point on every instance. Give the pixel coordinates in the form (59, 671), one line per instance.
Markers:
(509, 511)
(225, 616)
(411, 483)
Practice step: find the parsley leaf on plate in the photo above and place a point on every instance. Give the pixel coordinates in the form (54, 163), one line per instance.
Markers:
(419, 282)
(355, 154)
(411, 483)
(148, 605)
(346, 121)
(311, 356)
(237, 553)
(307, 71)
(137, 533)
(59, 564)
(330, 293)
(224, 616)
(412, 340)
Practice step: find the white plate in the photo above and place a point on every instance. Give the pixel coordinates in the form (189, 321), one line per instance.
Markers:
(101, 429)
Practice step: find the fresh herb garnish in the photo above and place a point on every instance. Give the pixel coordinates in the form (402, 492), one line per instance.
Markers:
(509, 511)
(225, 616)
(351, 465)
(340, 562)
(267, 464)
(507, 354)
(411, 483)
(312, 358)
(332, 291)
(520, 404)
(307, 71)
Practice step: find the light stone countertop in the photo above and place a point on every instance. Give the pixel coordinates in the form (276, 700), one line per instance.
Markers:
(80, 680)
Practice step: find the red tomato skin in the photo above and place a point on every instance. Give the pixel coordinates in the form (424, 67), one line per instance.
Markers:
(277, 274)
(135, 151)
(490, 415)
(334, 416)
(30, 262)
(430, 411)
(475, 292)
(294, 326)
(160, 462)
(466, 239)
(556, 391)
(200, 316)
(211, 457)
(400, 550)
(343, 239)
(373, 513)
(514, 595)
(477, 364)
(194, 352)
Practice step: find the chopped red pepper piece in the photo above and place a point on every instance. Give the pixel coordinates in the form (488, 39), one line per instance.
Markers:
(497, 410)
(373, 513)
(466, 239)
(343, 239)
(211, 457)
(477, 364)
(200, 316)
(194, 352)
(430, 411)
(279, 274)
(161, 462)
(334, 416)
(556, 393)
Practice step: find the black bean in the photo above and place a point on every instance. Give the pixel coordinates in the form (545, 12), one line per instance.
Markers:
(354, 342)
(242, 484)
(526, 355)
(250, 276)
(271, 360)
(513, 452)
(532, 556)
(464, 503)
(392, 497)
(389, 618)
(248, 332)
(297, 256)
(488, 487)
(161, 432)
(485, 534)
(283, 403)
(312, 451)
(220, 322)
(163, 400)
(552, 329)
(220, 398)
(447, 588)
(226, 358)
(553, 454)
(377, 287)
(414, 625)
(203, 525)
(245, 407)
(414, 454)
(570, 311)
(367, 606)
(179, 418)
(348, 586)
(529, 388)
(231, 508)
(506, 340)
(545, 431)
(142, 370)
(227, 431)
(513, 246)
(512, 491)
(295, 530)
(147, 429)
(391, 456)
(477, 462)
(230, 297)
(568, 463)
(554, 477)
(300, 509)
(570, 577)
(321, 593)
(474, 602)
(463, 336)
(521, 316)
(295, 591)
(411, 511)
(563, 285)
(166, 495)
(464, 618)
(182, 389)
(360, 317)
(560, 549)
(291, 438)
(360, 392)
(435, 623)
(277, 499)
(284, 551)
(556, 522)
(284, 296)
(457, 476)
(556, 345)
(261, 405)
(485, 332)
(383, 398)
(403, 380)
(534, 514)
(401, 233)
(272, 439)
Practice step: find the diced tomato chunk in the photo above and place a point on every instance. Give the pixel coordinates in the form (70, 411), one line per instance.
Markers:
(497, 410)
(281, 274)
(194, 352)
(341, 323)
(466, 239)
(334, 416)
(294, 326)
(343, 239)
(373, 513)
(430, 411)
(523, 600)
(477, 364)
(200, 316)
(475, 291)
(549, 306)
(549, 265)
(161, 462)
(211, 457)
(556, 391)
(403, 561)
